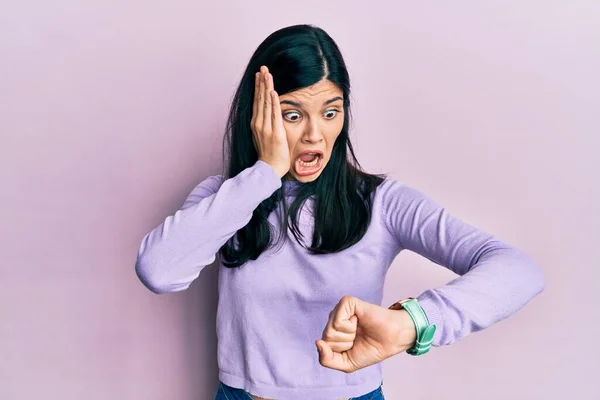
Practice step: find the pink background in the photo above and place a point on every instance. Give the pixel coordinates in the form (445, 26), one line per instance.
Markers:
(111, 111)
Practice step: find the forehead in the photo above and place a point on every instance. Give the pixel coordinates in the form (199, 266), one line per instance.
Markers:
(315, 94)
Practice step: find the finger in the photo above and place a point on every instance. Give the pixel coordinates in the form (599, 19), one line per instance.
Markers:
(347, 326)
(332, 335)
(260, 102)
(340, 346)
(256, 89)
(276, 117)
(268, 104)
(354, 321)
(330, 359)
(344, 320)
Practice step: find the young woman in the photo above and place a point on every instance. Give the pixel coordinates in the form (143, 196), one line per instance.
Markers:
(305, 238)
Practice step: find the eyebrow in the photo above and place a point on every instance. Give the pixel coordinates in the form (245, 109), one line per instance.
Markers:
(296, 104)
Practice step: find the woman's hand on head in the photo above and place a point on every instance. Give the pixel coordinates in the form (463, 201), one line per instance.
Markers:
(359, 334)
(268, 131)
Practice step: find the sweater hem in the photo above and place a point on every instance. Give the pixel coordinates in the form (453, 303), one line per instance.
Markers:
(299, 393)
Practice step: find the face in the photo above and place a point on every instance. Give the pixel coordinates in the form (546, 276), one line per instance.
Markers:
(313, 118)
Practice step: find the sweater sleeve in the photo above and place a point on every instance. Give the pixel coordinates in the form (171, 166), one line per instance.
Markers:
(495, 279)
(173, 254)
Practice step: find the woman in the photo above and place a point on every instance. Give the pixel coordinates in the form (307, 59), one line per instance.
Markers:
(305, 239)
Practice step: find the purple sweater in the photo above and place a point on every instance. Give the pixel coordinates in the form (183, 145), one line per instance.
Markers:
(271, 310)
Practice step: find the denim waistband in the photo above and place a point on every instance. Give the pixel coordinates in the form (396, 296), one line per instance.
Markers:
(225, 392)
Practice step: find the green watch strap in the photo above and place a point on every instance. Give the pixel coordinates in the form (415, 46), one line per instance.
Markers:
(425, 330)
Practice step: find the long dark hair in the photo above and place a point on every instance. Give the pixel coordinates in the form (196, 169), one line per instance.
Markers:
(299, 56)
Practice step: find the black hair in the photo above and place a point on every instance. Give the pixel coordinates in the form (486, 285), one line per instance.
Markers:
(298, 57)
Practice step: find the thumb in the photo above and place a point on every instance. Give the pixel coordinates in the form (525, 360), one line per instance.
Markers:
(328, 358)
(325, 352)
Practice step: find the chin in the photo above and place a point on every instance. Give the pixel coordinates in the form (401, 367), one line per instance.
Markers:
(306, 179)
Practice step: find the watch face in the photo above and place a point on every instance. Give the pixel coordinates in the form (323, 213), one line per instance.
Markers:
(398, 305)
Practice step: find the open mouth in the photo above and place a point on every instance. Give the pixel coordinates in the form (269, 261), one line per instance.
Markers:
(308, 164)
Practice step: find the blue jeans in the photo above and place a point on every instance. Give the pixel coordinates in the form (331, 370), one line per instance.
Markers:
(225, 392)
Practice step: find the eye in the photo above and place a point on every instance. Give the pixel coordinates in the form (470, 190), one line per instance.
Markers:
(291, 116)
(330, 114)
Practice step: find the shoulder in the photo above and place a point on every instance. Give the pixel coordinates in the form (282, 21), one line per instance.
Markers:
(207, 187)
(393, 193)
(398, 201)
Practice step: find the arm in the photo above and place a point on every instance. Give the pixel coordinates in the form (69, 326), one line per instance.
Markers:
(174, 253)
(495, 279)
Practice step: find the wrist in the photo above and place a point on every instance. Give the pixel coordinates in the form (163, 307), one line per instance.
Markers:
(424, 330)
(279, 170)
(406, 336)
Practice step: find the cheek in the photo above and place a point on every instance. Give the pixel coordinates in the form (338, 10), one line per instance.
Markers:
(332, 133)
(293, 132)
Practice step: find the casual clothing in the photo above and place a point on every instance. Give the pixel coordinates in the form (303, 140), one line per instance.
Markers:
(225, 392)
(271, 310)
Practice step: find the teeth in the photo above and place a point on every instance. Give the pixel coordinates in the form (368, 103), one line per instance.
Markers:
(310, 164)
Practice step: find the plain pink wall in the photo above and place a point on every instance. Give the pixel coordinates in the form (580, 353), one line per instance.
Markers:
(111, 111)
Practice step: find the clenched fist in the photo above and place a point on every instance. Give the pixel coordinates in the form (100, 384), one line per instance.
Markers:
(359, 334)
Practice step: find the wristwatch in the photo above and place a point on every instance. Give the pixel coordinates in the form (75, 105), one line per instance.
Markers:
(425, 330)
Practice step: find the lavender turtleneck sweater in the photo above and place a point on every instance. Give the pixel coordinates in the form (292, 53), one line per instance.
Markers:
(271, 310)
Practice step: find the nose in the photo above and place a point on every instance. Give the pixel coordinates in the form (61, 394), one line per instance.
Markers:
(312, 134)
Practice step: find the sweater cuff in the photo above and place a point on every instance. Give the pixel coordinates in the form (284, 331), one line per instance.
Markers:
(272, 177)
(263, 180)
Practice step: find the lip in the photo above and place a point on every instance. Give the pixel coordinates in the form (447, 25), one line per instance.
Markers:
(319, 152)
(314, 171)
(318, 166)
